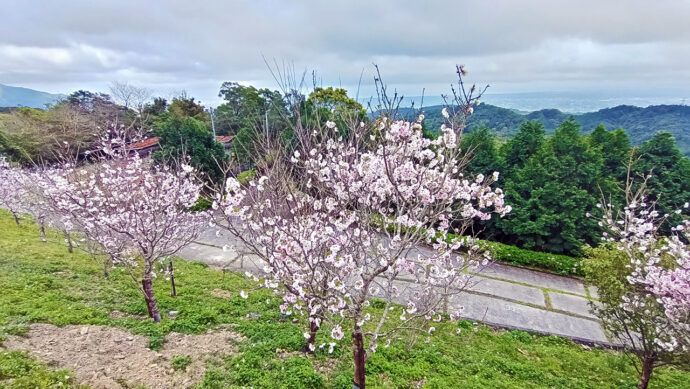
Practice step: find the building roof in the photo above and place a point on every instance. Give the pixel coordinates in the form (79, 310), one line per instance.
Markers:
(144, 143)
(153, 142)
(224, 138)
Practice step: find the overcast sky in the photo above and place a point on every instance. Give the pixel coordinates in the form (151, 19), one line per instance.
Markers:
(618, 47)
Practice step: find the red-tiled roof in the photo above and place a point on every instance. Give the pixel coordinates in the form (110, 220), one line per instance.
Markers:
(153, 141)
(144, 143)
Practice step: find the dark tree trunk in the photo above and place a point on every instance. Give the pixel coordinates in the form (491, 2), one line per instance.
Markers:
(313, 329)
(16, 217)
(68, 240)
(107, 264)
(42, 230)
(173, 290)
(646, 374)
(360, 358)
(151, 305)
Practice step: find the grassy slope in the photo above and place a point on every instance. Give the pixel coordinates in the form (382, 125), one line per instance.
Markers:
(41, 282)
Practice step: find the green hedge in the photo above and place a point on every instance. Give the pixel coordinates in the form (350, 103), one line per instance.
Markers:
(557, 263)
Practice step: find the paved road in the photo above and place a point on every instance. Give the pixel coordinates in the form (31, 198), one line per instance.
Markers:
(500, 295)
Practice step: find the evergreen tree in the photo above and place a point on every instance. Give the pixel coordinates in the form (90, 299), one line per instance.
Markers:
(669, 171)
(182, 137)
(614, 147)
(552, 192)
(481, 147)
(526, 143)
(248, 107)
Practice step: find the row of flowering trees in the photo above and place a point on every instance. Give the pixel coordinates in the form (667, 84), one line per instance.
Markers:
(122, 209)
(340, 216)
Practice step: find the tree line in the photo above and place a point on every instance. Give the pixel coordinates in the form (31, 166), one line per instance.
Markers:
(556, 184)
(549, 180)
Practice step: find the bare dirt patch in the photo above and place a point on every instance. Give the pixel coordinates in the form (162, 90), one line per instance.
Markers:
(106, 357)
(221, 293)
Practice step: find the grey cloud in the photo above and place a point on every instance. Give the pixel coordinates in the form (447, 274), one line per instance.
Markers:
(528, 45)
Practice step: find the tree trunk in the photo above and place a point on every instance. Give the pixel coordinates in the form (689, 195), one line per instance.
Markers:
(42, 230)
(107, 264)
(150, 298)
(68, 240)
(16, 217)
(173, 290)
(313, 329)
(360, 358)
(646, 374)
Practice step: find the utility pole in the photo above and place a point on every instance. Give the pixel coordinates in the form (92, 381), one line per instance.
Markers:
(213, 123)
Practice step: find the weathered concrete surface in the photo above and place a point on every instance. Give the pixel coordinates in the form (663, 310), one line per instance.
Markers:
(504, 313)
(570, 303)
(535, 278)
(508, 290)
(499, 294)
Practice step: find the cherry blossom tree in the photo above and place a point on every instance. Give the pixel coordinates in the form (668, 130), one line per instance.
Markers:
(35, 203)
(20, 193)
(348, 215)
(135, 213)
(649, 310)
(11, 189)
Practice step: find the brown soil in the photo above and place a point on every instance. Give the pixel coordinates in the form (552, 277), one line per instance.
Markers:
(106, 357)
(221, 293)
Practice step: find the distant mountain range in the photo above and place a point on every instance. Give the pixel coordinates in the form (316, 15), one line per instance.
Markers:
(13, 96)
(640, 123)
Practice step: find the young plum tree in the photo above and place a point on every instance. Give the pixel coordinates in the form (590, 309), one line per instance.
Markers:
(11, 189)
(349, 214)
(135, 213)
(644, 283)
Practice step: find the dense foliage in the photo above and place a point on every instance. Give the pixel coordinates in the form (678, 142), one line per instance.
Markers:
(640, 123)
(180, 137)
(554, 181)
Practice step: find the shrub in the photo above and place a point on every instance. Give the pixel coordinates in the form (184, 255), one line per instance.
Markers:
(607, 269)
(244, 177)
(202, 204)
(558, 263)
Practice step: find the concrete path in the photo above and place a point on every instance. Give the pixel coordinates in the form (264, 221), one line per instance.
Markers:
(500, 295)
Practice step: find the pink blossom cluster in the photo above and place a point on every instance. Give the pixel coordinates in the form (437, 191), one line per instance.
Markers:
(660, 265)
(131, 209)
(11, 188)
(347, 219)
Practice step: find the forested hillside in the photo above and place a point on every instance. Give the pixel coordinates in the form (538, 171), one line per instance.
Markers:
(640, 123)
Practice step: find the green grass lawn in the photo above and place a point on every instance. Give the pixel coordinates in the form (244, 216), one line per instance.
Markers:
(42, 282)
